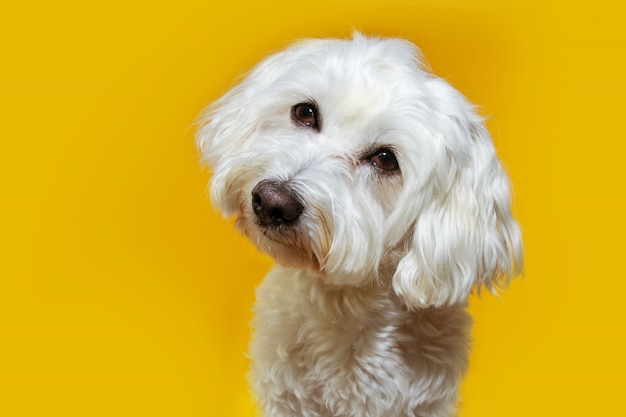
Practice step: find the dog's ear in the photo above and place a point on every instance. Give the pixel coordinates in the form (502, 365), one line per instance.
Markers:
(220, 126)
(223, 128)
(465, 236)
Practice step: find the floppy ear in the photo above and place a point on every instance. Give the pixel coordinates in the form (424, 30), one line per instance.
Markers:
(227, 123)
(466, 235)
(223, 128)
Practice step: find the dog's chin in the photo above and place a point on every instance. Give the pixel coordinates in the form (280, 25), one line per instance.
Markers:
(285, 245)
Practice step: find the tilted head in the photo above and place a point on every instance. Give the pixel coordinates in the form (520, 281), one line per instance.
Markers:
(348, 158)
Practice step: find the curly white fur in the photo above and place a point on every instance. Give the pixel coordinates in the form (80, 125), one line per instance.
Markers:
(365, 313)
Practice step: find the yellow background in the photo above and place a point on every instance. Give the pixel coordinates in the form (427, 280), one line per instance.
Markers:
(122, 293)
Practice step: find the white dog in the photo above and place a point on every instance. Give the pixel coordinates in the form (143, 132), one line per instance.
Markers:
(376, 188)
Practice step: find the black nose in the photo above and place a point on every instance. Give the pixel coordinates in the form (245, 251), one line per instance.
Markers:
(275, 204)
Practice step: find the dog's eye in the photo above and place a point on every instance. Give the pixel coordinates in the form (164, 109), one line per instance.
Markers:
(305, 114)
(384, 159)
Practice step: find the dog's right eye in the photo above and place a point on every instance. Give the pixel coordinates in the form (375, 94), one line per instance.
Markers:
(306, 115)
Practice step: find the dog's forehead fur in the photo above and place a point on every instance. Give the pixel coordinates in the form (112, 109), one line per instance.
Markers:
(369, 91)
(352, 82)
(352, 66)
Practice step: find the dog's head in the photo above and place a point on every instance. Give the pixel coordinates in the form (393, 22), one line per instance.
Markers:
(347, 157)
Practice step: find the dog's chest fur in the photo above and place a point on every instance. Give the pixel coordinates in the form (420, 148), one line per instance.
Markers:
(327, 351)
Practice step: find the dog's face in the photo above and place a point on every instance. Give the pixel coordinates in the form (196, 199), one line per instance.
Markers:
(347, 158)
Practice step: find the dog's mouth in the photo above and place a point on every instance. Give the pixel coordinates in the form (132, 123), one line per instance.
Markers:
(278, 223)
(286, 244)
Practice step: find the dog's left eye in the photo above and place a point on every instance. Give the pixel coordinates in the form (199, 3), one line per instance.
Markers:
(305, 114)
(384, 159)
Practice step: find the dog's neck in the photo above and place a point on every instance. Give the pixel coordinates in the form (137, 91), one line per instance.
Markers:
(346, 303)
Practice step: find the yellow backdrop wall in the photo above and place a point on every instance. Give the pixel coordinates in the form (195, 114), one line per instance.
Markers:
(122, 293)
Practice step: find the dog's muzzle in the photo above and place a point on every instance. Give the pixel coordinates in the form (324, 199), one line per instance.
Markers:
(275, 204)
